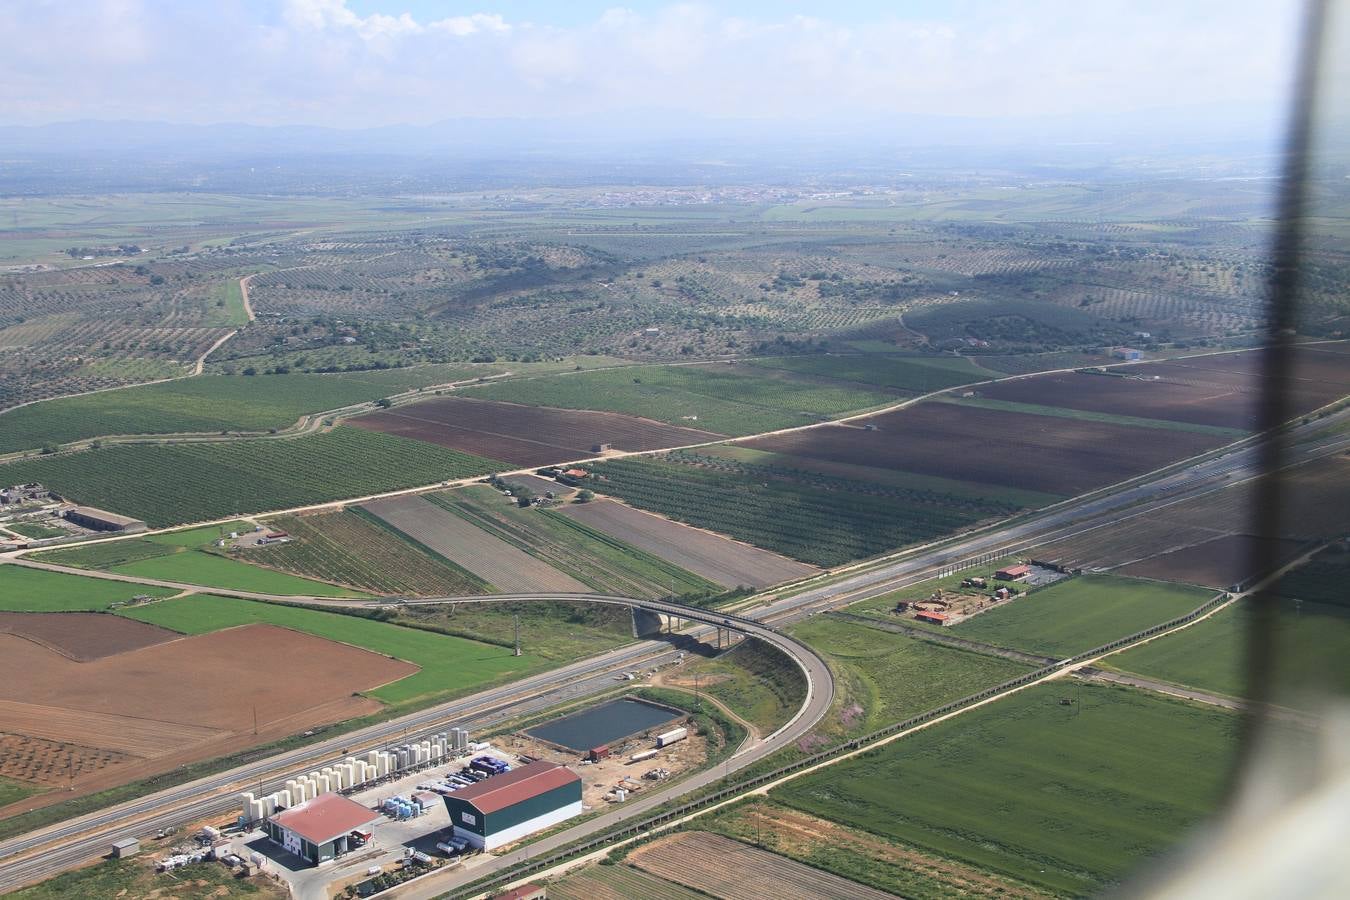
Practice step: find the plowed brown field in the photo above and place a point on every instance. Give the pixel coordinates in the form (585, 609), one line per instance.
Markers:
(151, 709)
(84, 636)
(525, 435)
(1219, 563)
(991, 446)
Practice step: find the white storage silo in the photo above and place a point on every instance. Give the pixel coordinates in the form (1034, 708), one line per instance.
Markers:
(284, 798)
(372, 757)
(258, 811)
(246, 802)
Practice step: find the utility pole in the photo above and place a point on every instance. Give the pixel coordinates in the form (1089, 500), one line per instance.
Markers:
(255, 718)
(698, 700)
(517, 618)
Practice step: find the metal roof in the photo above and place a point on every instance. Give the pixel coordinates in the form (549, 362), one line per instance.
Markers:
(324, 818)
(530, 780)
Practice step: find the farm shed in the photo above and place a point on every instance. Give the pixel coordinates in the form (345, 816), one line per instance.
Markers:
(102, 520)
(505, 808)
(935, 618)
(319, 829)
(1012, 573)
(125, 847)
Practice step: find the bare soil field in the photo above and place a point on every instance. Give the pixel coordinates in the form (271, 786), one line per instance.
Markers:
(1042, 453)
(525, 435)
(1196, 396)
(727, 562)
(148, 710)
(82, 636)
(1218, 563)
(722, 867)
(505, 567)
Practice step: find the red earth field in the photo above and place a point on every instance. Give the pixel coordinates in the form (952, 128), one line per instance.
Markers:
(525, 435)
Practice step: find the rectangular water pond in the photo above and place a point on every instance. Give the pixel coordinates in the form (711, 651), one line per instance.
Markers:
(604, 724)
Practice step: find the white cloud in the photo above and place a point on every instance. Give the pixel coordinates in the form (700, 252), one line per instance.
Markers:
(321, 62)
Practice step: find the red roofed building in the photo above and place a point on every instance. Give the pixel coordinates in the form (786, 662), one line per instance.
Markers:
(505, 808)
(319, 829)
(1012, 573)
(935, 618)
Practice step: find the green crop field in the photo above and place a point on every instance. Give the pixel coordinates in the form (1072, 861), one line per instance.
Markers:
(169, 483)
(592, 557)
(212, 571)
(35, 530)
(11, 790)
(916, 374)
(558, 631)
(1078, 614)
(228, 300)
(696, 396)
(815, 518)
(1071, 798)
(450, 665)
(211, 403)
(357, 549)
(1312, 642)
(187, 556)
(883, 677)
(33, 590)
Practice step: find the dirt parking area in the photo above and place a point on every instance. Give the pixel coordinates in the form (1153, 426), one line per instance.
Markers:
(526, 435)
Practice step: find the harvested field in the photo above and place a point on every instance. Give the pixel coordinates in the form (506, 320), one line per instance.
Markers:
(184, 700)
(727, 562)
(1042, 453)
(83, 637)
(1218, 563)
(722, 867)
(507, 568)
(618, 883)
(526, 435)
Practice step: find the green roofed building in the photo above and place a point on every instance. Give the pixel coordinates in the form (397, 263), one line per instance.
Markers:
(506, 808)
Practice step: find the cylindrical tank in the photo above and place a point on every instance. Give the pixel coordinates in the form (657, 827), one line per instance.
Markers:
(246, 802)
(258, 811)
(290, 786)
(284, 798)
(373, 757)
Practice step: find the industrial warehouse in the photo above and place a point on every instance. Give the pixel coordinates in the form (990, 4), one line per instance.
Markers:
(510, 806)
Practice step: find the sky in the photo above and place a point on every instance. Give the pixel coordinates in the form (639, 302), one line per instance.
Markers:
(361, 63)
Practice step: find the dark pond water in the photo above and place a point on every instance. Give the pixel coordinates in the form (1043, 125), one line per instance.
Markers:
(603, 724)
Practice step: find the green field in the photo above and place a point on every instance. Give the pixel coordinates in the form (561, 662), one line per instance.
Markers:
(1071, 798)
(186, 556)
(1080, 613)
(11, 790)
(754, 680)
(450, 665)
(822, 520)
(35, 530)
(169, 483)
(211, 403)
(1312, 643)
(883, 678)
(33, 590)
(228, 308)
(696, 396)
(122, 879)
(916, 374)
(592, 557)
(557, 631)
(210, 570)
